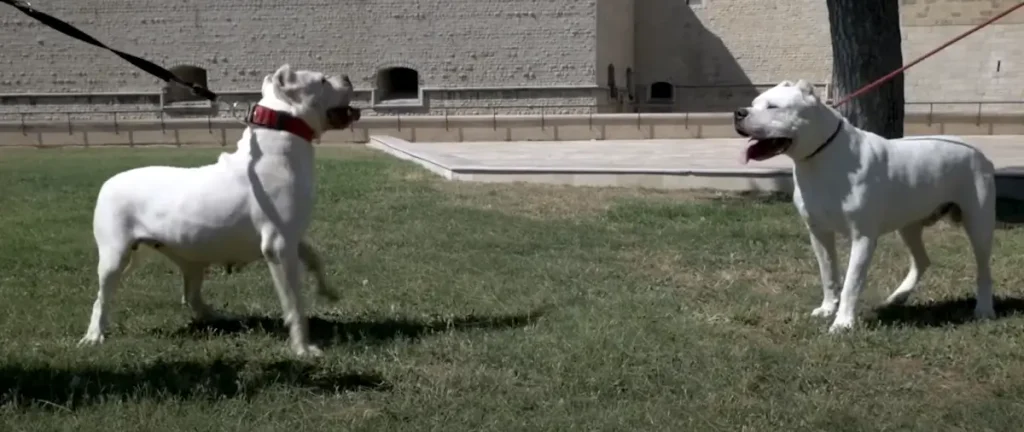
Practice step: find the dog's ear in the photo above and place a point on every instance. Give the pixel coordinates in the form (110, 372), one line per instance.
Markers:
(805, 87)
(284, 83)
(285, 77)
(346, 83)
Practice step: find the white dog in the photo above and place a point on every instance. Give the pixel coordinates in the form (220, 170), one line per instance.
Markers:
(857, 183)
(253, 204)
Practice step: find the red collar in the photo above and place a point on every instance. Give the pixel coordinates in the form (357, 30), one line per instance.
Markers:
(265, 117)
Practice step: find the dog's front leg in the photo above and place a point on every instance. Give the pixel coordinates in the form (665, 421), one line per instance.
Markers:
(285, 268)
(823, 242)
(861, 249)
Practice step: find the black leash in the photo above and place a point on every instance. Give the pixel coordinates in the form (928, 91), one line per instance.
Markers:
(146, 65)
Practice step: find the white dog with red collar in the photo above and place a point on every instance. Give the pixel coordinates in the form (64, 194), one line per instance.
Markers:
(859, 184)
(253, 204)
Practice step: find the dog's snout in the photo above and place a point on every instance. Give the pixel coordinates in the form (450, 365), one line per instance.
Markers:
(354, 113)
(738, 117)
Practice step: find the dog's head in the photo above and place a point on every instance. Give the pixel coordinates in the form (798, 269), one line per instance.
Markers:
(321, 100)
(786, 119)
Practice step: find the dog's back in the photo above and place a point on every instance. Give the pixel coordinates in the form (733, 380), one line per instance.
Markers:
(947, 172)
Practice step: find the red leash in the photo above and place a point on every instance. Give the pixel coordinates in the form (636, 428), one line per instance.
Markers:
(892, 74)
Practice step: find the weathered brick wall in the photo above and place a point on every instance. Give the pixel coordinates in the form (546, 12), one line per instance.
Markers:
(452, 43)
(722, 49)
(733, 43)
(739, 42)
(616, 48)
(916, 13)
(987, 65)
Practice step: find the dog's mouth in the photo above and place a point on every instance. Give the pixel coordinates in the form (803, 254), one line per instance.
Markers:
(766, 148)
(342, 117)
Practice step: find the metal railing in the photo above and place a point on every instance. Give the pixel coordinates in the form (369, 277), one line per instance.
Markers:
(225, 111)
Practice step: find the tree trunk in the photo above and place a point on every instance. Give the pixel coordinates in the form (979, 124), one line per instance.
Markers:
(866, 45)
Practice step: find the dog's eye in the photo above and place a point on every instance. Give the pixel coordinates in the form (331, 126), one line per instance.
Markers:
(770, 106)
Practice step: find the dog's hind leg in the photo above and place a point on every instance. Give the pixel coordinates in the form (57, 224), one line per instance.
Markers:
(979, 220)
(311, 260)
(114, 259)
(919, 262)
(192, 291)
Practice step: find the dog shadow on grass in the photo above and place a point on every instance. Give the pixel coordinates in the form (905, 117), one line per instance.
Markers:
(941, 313)
(328, 331)
(68, 388)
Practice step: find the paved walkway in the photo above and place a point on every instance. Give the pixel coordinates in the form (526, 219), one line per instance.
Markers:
(685, 164)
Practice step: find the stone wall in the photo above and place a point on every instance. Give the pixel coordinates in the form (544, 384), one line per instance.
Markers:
(988, 65)
(475, 55)
(456, 46)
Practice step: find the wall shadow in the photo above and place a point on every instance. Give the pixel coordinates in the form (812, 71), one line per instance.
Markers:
(673, 45)
(329, 331)
(73, 387)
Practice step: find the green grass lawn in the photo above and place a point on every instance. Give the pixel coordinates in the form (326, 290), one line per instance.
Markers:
(470, 307)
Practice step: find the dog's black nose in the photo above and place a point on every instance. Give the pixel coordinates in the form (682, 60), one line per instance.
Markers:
(741, 114)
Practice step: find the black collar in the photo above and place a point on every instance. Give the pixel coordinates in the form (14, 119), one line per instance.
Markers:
(828, 141)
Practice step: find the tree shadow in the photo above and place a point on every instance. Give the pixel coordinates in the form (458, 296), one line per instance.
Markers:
(329, 331)
(941, 313)
(69, 388)
(672, 45)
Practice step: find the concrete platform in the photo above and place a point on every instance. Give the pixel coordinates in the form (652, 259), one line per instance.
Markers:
(665, 164)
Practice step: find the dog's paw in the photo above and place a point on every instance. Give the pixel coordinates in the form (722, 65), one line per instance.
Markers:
(824, 311)
(897, 298)
(307, 351)
(984, 313)
(91, 339)
(205, 313)
(212, 315)
(840, 326)
(329, 294)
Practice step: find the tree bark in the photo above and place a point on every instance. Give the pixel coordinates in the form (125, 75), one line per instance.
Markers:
(866, 45)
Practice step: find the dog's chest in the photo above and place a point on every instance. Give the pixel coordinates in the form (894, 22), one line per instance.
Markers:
(287, 177)
(829, 206)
